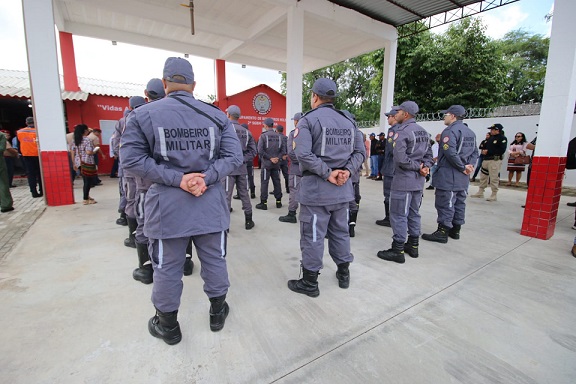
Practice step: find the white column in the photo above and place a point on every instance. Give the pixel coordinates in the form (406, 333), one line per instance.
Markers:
(294, 65)
(388, 75)
(560, 87)
(44, 79)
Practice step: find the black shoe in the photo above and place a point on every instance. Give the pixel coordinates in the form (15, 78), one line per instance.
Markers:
(395, 253)
(122, 221)
(289, 218)
(6, 209)
(236, 197)
(219, 310)
(571, 204)
(144, 274)
(262, 205)
(411, 246)
(378, 178)
(248, 223)
(385, 222)
(343, 275)
(231, 209)
(252, 195)
(188, 266)
(430, 188)
(36, 194)
(307, 285)
(271, 193)
(278, 204)
(454, 232)
(165, 327)
(439, 236)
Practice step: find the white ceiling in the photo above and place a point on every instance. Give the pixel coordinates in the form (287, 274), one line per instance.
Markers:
(251, 32)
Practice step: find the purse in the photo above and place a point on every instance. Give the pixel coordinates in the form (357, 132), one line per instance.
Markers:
(522, 160)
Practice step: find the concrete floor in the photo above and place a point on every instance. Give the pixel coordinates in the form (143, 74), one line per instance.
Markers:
(493, 307)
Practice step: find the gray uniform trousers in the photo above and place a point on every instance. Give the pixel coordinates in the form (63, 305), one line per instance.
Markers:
(450, 206)
(168, 256)
(354, 205)
(404, 214)
(265, 176)
(130, 193)
(250, 169)
(387, 186)
(241, 182)
(315, 223)
(122, 203)
(139, 234)
(294, 188)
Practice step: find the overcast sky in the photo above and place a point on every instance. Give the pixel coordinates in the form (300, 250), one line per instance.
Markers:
(138, 64)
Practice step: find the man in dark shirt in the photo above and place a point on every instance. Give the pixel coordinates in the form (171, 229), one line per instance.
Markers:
(495, 148)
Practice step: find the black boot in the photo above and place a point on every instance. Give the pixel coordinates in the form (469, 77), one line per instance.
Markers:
(252, 193)
(439, 236)
(144, 273)
(262, 205)
(343, 275)
(307, 285)
(188, 263)
(132, 225)
(352, 224)
(385, 222)
(122, 219)
(395, 253)
(218, 312)
(249, 224)
(165, 326)
(278, 203)
(454, 232)
(289, 218)
(411, 246)
(236, 197)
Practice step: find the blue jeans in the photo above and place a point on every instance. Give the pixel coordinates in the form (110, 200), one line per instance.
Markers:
(374, 165)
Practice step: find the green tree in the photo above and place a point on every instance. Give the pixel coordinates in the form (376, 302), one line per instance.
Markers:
(526, 57)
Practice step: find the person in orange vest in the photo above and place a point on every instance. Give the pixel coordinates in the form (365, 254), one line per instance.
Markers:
(29, 148)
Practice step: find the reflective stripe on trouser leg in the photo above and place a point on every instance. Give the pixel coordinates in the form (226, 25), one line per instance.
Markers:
(264, 178)
(444, 203)
(414, 213)
(313, 227)
(130, 191)
(228, 184)
(399, 203)
(386, 186)
(459, 207)
(275, 175)
(294, 190)
(242, 189)
(122, 202)
(211, 249)
(338, 235)
(167, 256)
(140, 214)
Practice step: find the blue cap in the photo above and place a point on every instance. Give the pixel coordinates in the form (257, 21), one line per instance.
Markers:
(393, 111)
(496, 126)
(325, 88)
(373, 134)
(155, 89)
(297, 116)
(136, 101)
(456, 110)
(269, 122)
(178, 70)
(409, 107)
(234, 111)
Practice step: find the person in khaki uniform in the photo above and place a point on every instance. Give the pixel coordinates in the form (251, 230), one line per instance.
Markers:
(496, 146)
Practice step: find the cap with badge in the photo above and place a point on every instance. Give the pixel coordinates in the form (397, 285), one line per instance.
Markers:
(269, 122)
(392, 111)
(297, 116)
(234, 111)
(136, 101)
(409, 107)
(325, 87)
(496, 126)
(456, 110)
(178, 70)
(155, 89)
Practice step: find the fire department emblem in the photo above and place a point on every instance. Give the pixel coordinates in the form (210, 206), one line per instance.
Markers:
(262, 103)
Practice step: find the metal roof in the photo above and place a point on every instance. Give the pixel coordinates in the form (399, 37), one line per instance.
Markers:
(17, 84)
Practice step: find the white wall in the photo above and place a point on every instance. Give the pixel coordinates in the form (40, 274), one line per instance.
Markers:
(512, 125)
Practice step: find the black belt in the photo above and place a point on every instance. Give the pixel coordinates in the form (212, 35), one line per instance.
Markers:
(495, 157)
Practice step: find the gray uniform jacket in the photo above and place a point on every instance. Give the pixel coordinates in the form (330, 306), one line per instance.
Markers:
(294, 168)
(387, 168)
(411, 149)
(325, 141)
(166, 139)
(457, 148)
(271, 145)
(248, 148)
(356, 175)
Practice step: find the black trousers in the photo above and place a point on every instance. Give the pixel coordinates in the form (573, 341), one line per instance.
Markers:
(32, 164)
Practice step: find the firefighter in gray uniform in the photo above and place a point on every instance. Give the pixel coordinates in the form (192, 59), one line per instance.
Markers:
(387, 168)
(271, 148)
(240, 175)
(144, 273)
(456, 158)
(294, 176)
(412, 162)
(127, 180)
(328, 152)
(185, 147)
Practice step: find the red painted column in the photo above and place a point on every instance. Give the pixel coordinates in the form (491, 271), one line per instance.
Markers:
(68, 62)
(543, 197)
(221, 83)
(57, 180)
